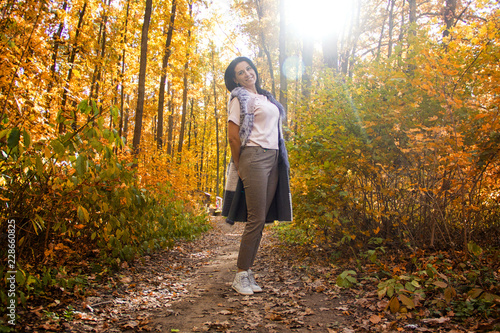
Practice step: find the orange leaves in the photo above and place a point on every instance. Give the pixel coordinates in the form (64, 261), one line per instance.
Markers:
(375, 319)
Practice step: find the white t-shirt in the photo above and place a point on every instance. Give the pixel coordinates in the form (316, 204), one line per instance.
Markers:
(265, 126)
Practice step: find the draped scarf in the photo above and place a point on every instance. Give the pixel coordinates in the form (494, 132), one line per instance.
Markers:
(234, 205)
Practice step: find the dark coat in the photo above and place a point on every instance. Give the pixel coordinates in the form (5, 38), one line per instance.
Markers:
(234, 205)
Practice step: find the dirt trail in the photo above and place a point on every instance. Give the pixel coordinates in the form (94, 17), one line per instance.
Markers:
(188, 289)
(211, 305)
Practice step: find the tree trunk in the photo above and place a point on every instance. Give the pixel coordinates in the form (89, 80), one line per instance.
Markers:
(413, 16)
(412, 31)
(122, 92)
(269, 64)
(142, 77)
(71, 61)
(170, 120)
(224, 159)
(184, 106)
(449, 15)
(125, 121)
(96, 77)
(402, 24)
(57, 41)
(265, 47)
(166, 56)
(351, 40)
(357, 33)
(216, 126)
(307, 57)
(94, 74)
(192, 125)
(381, 38)
(282, 57)
(391, 27)
(154, 123)
(185, 90)
(401, 35)
(103, 49)
(330, 51)
(202, 154)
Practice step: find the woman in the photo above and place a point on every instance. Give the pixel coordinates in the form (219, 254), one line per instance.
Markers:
(257, 188)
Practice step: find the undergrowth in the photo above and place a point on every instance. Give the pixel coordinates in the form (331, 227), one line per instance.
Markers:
(413, 282)
(79, 208)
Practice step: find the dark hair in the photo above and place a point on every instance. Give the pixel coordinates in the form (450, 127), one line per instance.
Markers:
(229, 75)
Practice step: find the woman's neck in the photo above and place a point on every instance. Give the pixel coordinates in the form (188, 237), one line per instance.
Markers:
(252, 90)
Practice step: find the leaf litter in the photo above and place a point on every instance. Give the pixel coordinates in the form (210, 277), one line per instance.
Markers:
(188, 289)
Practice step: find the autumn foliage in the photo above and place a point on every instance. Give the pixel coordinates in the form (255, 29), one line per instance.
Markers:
(406, 150)
(113, 126)
(69, 178)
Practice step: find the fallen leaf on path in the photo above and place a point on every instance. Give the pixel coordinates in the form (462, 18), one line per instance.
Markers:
(342, 308)
(440, 320)
(375, 319)
(126, 279)
(308, 312)
(225, 312)
(274, 317)
(131, 324)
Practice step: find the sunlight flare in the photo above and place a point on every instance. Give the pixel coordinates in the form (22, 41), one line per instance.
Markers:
(318, 18)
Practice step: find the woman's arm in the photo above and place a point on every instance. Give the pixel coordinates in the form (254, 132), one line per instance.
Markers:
(233, 135)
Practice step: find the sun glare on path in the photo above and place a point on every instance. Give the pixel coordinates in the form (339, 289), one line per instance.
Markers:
(318, 18)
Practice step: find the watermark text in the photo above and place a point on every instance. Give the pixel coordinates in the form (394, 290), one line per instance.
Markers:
(11, 272)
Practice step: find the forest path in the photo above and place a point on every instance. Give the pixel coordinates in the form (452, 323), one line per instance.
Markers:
(211, 304)
(188, 289)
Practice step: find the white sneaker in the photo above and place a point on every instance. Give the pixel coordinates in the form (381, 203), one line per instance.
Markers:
(253, 285)
(241, 283)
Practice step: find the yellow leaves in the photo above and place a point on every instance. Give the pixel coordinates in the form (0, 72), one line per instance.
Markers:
(3, 182)
(407, 301)
(394, 304)
(400, 303)
(83, 214)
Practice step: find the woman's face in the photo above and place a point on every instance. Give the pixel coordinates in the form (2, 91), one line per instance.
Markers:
(245, 76)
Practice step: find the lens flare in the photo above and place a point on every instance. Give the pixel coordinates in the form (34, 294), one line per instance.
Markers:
(293, 68)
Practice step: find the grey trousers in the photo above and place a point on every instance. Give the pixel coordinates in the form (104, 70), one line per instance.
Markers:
(258, 169)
